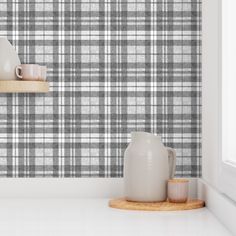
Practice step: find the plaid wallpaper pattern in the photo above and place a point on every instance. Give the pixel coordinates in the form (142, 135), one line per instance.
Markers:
(114, 67)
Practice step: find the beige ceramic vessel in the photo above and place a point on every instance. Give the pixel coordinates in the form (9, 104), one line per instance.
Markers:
(8, 60)
(148, 165)
(178, 190)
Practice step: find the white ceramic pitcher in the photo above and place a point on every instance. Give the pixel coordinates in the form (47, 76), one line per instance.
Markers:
(8, 60)
(148, 164)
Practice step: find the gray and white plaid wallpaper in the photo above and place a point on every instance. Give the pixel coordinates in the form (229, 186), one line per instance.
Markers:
(114, 66)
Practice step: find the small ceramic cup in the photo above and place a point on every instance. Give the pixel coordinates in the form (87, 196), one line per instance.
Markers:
(28, 72)
(177, 190)
(43, 74)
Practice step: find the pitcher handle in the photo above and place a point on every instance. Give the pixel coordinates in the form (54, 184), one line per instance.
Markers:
(18, 68)
(172, 161)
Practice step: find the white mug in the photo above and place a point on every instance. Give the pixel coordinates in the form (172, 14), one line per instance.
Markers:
(43, 73)
(28, 72)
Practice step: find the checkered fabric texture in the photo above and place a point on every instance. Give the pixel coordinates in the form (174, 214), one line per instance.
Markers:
(114, 66)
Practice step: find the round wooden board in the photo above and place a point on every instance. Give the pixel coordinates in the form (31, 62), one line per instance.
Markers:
(21, 86)
(121, 203)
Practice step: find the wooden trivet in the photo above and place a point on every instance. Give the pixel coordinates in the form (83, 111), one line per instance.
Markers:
(121, 203)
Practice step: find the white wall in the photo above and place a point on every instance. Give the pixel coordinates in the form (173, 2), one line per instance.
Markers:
(210, 87)
(69, 187)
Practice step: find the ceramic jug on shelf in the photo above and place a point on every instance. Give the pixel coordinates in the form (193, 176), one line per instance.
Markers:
(8, 60)
(148, 165)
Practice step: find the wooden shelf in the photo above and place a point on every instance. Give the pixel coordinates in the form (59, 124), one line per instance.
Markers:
(20, 86)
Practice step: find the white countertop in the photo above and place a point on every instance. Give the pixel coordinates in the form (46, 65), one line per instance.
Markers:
(89, 217)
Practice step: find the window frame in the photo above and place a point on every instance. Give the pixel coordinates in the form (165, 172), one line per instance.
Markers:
(227, 170)
(215, 172)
